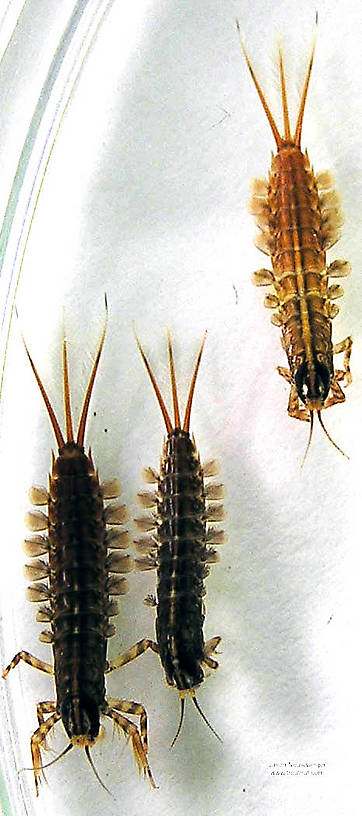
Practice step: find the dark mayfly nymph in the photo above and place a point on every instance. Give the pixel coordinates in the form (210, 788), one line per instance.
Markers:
(177, 546)
(81, 568)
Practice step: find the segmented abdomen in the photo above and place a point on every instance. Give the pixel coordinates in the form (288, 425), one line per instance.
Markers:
(298, 238)
(181, 558)
(78, 578)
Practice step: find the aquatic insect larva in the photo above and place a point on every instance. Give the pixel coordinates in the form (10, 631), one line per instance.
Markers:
(299, 219)
(84, 560)
(177, 545)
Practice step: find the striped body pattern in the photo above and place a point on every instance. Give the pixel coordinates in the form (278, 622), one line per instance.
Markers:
(181, 562)
(85, 557)
(177, 545)
(81, 582)
(77, 584)
(298, 215)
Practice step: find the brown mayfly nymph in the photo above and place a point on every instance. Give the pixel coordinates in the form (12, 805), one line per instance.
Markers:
(84, 557)
(178, 535)
(299, 218)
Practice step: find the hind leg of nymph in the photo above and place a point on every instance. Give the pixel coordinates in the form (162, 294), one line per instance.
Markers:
(346, 347)
(284, 372)
(36, 743)
(336, 394)
(138, 710)
(31, 660)
(132, 733)
(46, 707)
(293, 404)
(209, 648)
(139, 648)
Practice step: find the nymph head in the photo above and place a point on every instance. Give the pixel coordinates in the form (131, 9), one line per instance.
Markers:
(80, 716)
(313, 385)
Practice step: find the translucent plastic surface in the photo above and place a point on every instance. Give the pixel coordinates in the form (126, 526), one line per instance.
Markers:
(144, 198)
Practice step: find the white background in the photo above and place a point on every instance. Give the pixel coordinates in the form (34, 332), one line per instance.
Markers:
(145, 199)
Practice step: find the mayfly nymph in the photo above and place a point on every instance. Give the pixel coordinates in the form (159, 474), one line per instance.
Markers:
(76, 583)
(179, 533)
(299, 219)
